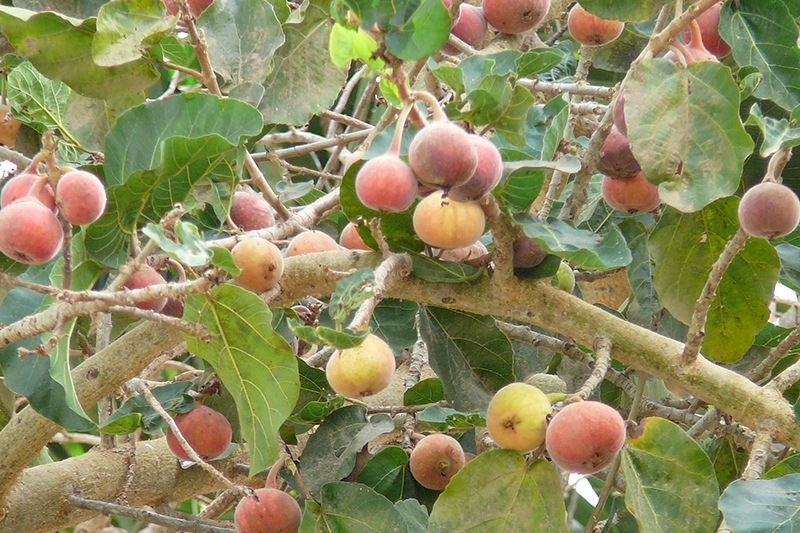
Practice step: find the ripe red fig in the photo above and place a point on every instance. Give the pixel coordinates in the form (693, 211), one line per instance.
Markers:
(207, 431)
(144, 277)
(9, 127)
(591, 30)
(29, 231)
(250, 211)
(708, 24)
(442, 154)
(81, 197)
(386, 183)
(19, 185)
(584, 437)
(309, 242)
(515, 16)
(470, 27)
(487, 175)
(270, 511)
(767, 210)
(350, 238)
(616, 159)
(435, 460)
(632, 194)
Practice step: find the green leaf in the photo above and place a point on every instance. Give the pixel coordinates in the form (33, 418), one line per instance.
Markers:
(88, 120)
(511, 495)
(138, 140)
(350, 293)
(446, 419)
(685, 131)
(762, 506)
(625, 10)
(61, 49)
(418, 29)
(316, 412)
(569, 164)
(30, 376)
(498, 103)
(323, 335)
(136, 413)
(330, 453)
(347, 44)
(426, 391)
(436, 271)
(763, 34)
(190, 249)
(469, 354)
(415, 515)
(390, 321)
(790, 465)
(126, 29)
(728, 459)
(304, 80)
(641, 270)
(684, 248)
(671, 484)
(352, 508)
(777, 133)
(256, 364)
(580, 247)
(222, 258)
(388, 473)
(242, 38)
(35, 100)
(72, 8)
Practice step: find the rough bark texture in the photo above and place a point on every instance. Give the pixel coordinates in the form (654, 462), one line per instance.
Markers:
(532, 302)
(28, 432)
(37, 502)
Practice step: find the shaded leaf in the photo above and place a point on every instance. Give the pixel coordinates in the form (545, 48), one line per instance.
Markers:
(323, 335)
(641, 270)
(352, 508)
(469, 354)
(684, 248)
(127, 29)
(256, 365)
(511, 495)
(777, 133)
(426, 391)
(671, 484)
(436, 271)
(136, 412)
(350, 293)
(391, 320)
(762, 505)
(625, 10)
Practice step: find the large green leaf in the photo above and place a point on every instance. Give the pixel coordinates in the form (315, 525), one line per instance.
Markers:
(330, 453)
(126, 29)
(242, 36)
(626, 10)
(580, 247)
(685, 131)
(304, 81)
(469, 354)
(685, 246)
(136, 142)
(671, 484)
(762, 506)
(61, 49)
(507, 494)
(763, 34)
(256, 364)
(351, 508)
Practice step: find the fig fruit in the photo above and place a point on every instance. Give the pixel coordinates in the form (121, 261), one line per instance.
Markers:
(250, 211)
(144, 277)
(444, 223)
(309, 242)
(517, 417)
(616, 158)
(363, 370)
(261, 263)
(207, 431)
(470, 27)
(515, 16)
(30, 232)
(584, 437)
(632, 194)
(487, 174)
(81, 197)
(270, 511)
(19, 185)
(435, 459)
(767, 210)
(590, 29)
(350, 238)
(708, 25)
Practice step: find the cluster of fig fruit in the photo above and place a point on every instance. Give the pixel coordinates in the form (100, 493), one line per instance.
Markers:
(583, 437)
(453, 167)
(470, 24)
(30, 231)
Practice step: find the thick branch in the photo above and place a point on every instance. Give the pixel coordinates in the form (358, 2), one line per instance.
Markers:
(23, 437)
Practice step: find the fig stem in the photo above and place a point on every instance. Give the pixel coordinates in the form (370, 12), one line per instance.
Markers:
(397, 140)
(436, 109)
(37, 186)
(697, 38)
(33, 167)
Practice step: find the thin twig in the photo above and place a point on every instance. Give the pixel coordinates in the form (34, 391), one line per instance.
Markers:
(694, 337)
(196, 525)
(759, 453)
(602, 363)
(395, 265)
(775, 354)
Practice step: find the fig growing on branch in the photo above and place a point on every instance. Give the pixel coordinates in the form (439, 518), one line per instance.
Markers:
(444, 223)
(708, 25)
(309, 242)
(363, 370)
(250, 211)
(515, 16)
(350, 238)
(616, 158)
(487, 174)
(517, 417)
(442, 154)
(386, 183)
(145, 277)
(81, 197)
(768, 210)
(207, 431)
(261, 263)
(269, 511)
(632, 194)
(435, 460)
(470, 27)
(19, 185)
(29, 231)
(584, 437)
(590, 29)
